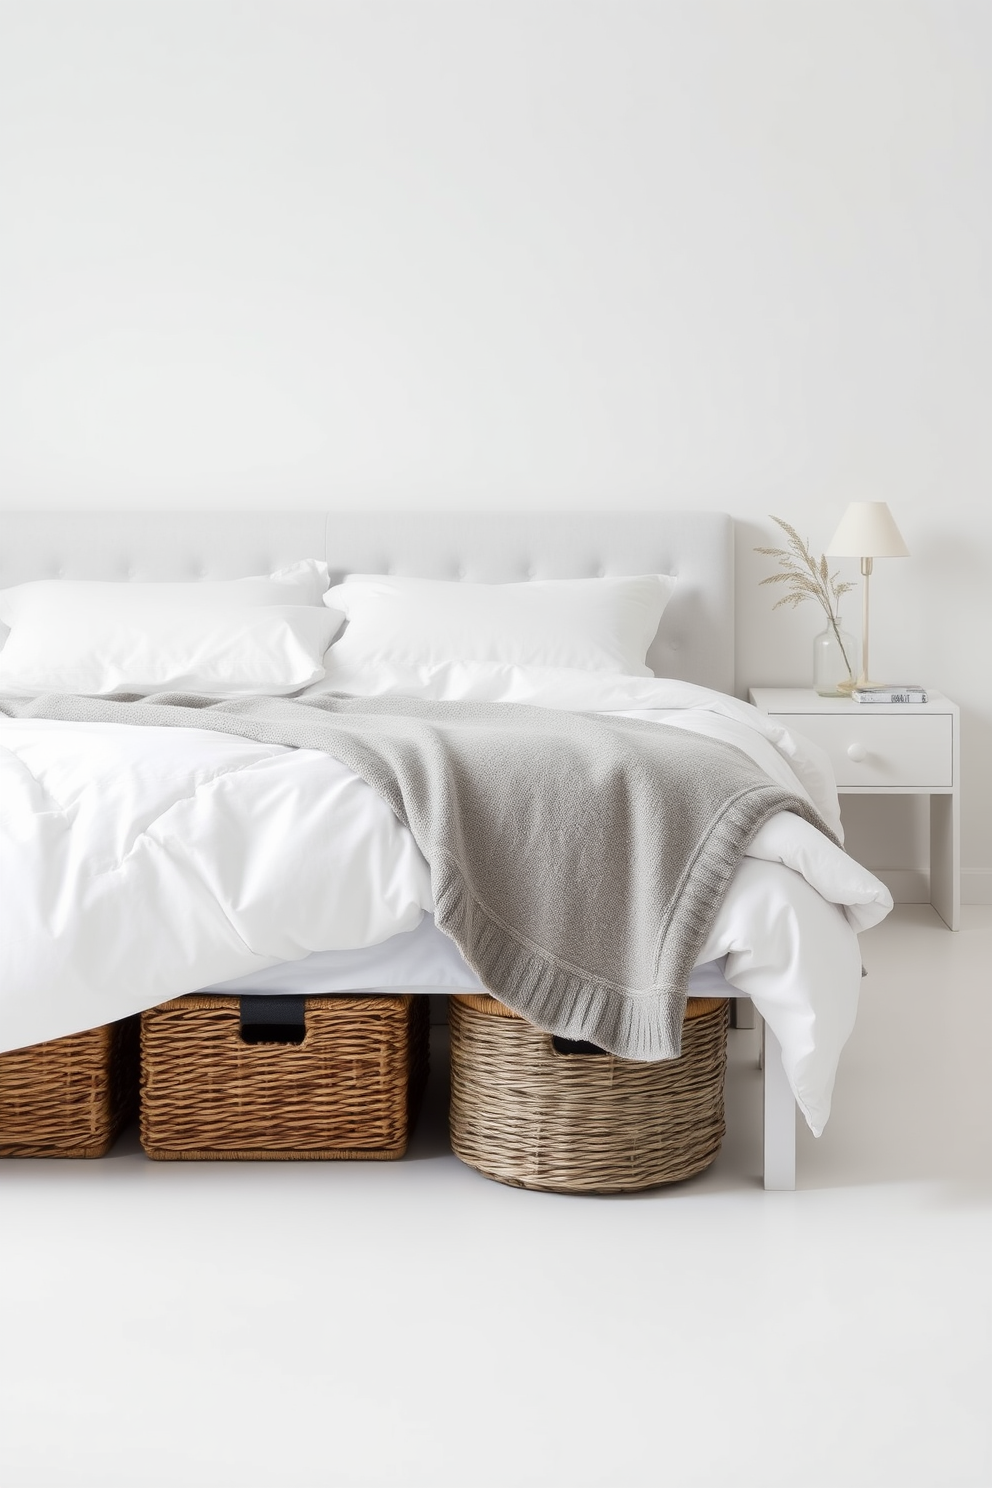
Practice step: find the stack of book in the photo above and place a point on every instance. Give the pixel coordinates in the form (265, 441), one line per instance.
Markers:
(896, 692)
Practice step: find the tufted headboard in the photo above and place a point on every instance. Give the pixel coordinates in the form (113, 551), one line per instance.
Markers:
(695, 641)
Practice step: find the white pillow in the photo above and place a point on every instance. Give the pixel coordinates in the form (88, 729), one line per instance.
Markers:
(300, 583)
(414, 626)
(110, 647)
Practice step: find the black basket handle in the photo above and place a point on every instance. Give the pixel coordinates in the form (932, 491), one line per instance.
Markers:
(273, 1020)
(575, 1046)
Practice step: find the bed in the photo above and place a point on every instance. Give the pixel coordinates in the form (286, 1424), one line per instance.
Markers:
(786, 937)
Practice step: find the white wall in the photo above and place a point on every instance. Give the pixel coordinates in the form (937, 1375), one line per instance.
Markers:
(711, 253)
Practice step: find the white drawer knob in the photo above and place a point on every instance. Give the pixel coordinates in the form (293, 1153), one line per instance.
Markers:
(856, 752)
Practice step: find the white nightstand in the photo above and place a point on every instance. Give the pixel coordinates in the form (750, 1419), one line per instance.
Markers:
(889, 749)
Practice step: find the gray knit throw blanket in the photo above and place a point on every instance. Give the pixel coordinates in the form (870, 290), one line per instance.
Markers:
(577, 861)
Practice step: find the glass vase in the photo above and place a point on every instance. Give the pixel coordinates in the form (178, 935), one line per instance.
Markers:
(835, 662)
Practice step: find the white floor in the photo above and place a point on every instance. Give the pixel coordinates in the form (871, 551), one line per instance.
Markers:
(411, 1323)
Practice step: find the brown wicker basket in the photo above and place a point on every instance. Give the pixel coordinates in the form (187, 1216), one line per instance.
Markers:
(350, 1089)
(71, 1096)
(527, 1115)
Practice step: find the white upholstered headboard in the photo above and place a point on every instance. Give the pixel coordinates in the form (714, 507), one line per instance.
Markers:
(695, 641)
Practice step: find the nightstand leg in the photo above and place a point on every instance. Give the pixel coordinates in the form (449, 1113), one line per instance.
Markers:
(945, 871)
(779, 1110)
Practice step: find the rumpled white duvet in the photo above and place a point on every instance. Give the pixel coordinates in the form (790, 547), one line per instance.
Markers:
(138, 864)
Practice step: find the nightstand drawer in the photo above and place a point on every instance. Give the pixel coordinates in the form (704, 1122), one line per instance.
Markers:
(872, 751)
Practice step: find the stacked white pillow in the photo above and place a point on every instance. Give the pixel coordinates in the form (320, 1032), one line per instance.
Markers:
(263, 634)
(404, 634)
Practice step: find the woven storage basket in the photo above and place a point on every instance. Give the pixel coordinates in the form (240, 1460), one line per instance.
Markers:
(527, 1115)
(69, 1097)
(350, 1089)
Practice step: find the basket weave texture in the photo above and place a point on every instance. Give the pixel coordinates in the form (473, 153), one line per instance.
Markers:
(529, 1116)
(71, 1096)
(351, 1089)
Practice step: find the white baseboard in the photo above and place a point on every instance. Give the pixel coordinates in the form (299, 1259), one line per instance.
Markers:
(906, 885)
(976, 886)
(912, 885)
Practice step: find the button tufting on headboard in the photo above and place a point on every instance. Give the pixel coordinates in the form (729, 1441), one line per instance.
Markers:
(696, 639)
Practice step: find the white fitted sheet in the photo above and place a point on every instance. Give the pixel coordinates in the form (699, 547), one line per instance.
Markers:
(419, 960)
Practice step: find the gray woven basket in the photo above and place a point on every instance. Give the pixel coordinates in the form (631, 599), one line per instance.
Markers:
(527, 1115)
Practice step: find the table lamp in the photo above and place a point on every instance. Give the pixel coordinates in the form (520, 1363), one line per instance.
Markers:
(866, 531)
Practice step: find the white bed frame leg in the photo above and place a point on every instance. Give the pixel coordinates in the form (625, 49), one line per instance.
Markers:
(779, 1117)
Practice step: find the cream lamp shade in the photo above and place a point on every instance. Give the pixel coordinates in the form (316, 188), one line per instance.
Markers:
(866, 531)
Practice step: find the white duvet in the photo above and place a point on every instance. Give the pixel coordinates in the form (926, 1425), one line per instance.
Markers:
(138, 864)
